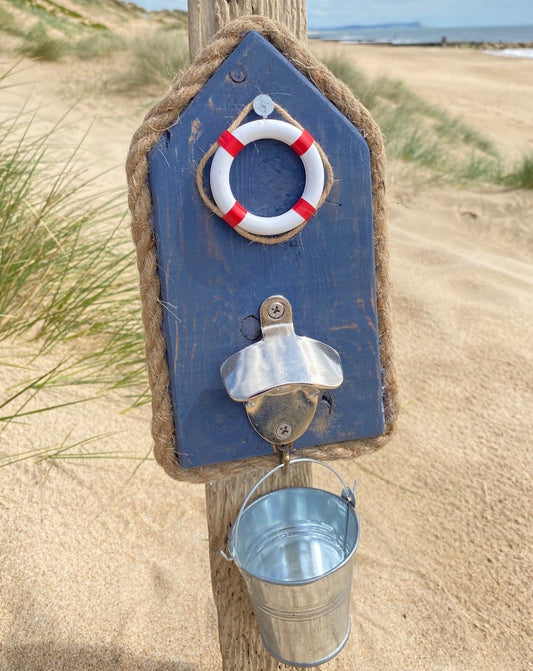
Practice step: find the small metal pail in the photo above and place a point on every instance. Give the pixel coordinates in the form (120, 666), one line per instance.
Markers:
(295, 549)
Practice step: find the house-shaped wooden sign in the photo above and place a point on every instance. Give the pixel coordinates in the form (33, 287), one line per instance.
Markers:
(212, 176)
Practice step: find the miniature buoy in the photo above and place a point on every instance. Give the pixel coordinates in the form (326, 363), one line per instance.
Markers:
(232, 142)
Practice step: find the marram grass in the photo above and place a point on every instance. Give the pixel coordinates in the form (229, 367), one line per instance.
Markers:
(68, 287)
(427, 136)
(38, 44)
(521, 175)
(155, 58)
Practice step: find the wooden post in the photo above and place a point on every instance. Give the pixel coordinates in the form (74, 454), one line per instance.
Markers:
(240, 642)
(206, 17)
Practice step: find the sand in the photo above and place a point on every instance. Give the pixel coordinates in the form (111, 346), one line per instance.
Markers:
(492, 96)
(105, 568)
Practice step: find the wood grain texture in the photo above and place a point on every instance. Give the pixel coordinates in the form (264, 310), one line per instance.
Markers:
(206, 17)
(240, 641)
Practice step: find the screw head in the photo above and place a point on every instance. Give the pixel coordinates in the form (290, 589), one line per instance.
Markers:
(276, 310)
(284, 431)
(263, 105)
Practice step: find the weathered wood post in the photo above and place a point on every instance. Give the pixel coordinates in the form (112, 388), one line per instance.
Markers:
(206, 17)
(240, 642)
(260, 303)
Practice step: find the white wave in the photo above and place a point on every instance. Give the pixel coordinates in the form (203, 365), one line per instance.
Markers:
(511, 53)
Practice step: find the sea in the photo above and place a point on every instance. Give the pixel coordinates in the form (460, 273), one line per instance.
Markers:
(413, 34)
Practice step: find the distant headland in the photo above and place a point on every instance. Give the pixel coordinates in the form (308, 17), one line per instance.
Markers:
(375, 25)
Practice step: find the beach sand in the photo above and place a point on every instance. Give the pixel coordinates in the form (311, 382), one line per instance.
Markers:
(105, 568)
(492, 95)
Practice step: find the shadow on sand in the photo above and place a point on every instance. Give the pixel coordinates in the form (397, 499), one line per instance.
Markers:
(51, 656)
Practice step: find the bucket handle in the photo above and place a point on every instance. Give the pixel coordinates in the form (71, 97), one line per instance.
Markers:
(347, 494)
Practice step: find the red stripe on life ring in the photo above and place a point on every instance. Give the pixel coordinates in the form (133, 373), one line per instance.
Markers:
(304, 209)
(234, 216)
(230, 143)
(302, 144)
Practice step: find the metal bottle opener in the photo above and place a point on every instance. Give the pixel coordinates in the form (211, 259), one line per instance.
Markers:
(280, 378)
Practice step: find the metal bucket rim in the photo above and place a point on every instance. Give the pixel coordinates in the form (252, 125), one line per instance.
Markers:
(347, 493)
(306, 581)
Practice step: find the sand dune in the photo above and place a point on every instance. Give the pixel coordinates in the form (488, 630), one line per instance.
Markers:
(492, 96)
(105, 569)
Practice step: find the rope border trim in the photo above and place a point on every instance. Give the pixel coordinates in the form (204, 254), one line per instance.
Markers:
(161, 117)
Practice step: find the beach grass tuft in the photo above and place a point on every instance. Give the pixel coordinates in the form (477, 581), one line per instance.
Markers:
(67, 280)
(51, 35)
(426, 135)
(420, 133)
(74, 450)
(97, 44)
(40, 45)
(8, 23)
(521, 175)
(155, 59)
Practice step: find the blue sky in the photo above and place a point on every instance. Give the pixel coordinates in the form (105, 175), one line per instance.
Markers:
(331, 13)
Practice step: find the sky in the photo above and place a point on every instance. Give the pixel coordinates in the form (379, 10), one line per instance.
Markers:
(336, 13)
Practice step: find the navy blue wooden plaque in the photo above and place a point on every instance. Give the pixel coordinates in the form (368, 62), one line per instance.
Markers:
(213, 281)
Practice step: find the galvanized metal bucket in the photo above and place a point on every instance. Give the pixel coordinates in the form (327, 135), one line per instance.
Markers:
(295, 549)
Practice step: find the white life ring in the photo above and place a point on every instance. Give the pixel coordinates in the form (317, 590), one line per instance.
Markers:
(231, 143)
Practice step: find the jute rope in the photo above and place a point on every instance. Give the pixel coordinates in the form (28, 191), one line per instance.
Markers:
(263, 239)
(158, 120)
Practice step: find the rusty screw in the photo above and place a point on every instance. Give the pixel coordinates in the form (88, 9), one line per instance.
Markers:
(276, 310)
(284, 431)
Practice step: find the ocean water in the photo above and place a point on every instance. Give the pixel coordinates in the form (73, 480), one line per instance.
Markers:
(413, 34)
